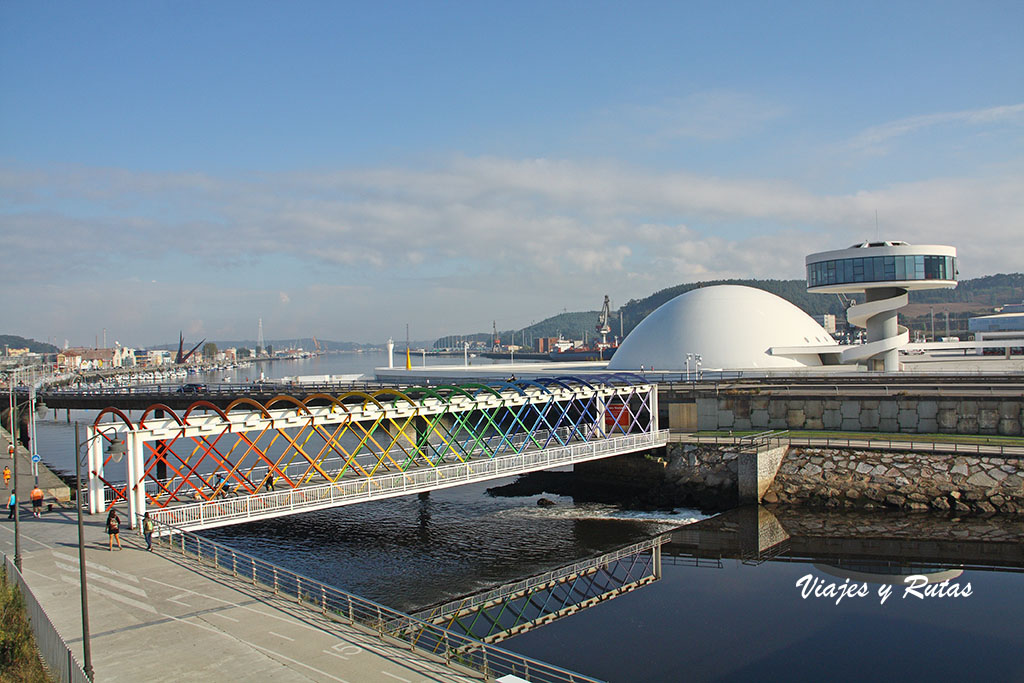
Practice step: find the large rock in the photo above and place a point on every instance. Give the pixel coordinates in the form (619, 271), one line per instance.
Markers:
(981, 479)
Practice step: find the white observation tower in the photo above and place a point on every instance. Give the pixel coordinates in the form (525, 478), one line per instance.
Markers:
(884, 272)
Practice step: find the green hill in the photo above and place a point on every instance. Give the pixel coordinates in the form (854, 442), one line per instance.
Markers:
(13, 341)
(928, 308)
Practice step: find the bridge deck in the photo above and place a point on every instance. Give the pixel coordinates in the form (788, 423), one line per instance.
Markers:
(222, 512)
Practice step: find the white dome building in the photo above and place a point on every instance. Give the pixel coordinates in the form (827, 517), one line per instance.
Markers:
(731, 327)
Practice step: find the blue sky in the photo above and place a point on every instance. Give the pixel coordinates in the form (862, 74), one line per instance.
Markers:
(341, 169)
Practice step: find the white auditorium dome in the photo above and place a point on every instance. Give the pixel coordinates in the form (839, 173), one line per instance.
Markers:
(730, 326)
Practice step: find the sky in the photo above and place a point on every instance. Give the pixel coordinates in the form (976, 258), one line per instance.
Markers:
(343, 169)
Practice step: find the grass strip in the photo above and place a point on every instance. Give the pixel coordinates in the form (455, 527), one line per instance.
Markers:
(973, 439)
(19, 658)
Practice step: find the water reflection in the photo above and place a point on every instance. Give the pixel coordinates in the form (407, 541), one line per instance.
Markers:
(773, 594)
(494, 614)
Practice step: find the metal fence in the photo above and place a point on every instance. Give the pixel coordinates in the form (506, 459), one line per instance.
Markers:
(59, 659)
(256, 476)
(260, 506)
(866, 442)
(458, 651)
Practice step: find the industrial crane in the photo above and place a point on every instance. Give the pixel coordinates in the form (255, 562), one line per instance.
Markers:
(602, 326)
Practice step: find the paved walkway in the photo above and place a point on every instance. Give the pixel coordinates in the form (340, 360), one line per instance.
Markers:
(160, 617)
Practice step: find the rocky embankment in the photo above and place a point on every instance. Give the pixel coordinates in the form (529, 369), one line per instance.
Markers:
(821, 477)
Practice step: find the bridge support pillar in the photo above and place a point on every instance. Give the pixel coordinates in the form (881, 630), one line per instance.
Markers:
(95, 461)
(136, 486)
(756, 471)
(159, 449)
(760, 531)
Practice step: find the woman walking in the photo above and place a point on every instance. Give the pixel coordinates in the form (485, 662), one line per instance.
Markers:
(114, 529)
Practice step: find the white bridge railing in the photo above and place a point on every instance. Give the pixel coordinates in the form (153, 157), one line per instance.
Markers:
(222, 512)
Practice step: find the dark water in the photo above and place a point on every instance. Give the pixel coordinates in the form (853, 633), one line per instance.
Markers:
(414, 551)
(726, 620)
(738, 616)
(742, 623)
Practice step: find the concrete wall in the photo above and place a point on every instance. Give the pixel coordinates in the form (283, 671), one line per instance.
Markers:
(1003, 416)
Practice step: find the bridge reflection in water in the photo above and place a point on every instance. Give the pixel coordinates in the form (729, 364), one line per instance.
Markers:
(873, 546)
(498, 613)
(211, 467)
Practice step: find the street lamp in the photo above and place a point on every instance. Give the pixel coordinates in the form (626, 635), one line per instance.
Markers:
(35, 409)
(689, 359)
(116, 450)
(15, 428)
(696, 369)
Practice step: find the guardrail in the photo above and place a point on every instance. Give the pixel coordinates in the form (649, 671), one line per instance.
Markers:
(256, 476)
(486, 596)
(59, 659)
(213, 389)
(456, 650)
(264, 505)
(865, 443)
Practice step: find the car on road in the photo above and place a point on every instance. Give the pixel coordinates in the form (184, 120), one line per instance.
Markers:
(192, 388)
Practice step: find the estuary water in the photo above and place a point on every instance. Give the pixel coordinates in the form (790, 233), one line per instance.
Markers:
(763, 594)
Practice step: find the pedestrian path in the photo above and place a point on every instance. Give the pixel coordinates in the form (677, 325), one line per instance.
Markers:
(156, 616)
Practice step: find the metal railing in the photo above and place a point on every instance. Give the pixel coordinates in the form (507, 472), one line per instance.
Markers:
(256, 476)
(264, 505)
(458, 651)
(866, 443)
(554, 576)
(59, 659)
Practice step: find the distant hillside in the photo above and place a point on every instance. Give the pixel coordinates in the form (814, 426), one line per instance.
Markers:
(970, 298)
(570, 325)
(794, 291)
(927, 309)
(13, 341)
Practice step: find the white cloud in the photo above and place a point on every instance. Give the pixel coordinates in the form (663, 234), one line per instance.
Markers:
(873, 139)
(447, 247)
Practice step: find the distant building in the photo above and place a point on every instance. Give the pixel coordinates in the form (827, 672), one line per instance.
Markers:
(828, 321)
(885, 272)
(1007, 324)
(95, 359)
(158, 357)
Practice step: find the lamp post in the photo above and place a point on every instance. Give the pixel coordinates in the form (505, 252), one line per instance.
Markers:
(14, 457)
(34, 409)
(116, 448)
(689, 359)
(696, 369)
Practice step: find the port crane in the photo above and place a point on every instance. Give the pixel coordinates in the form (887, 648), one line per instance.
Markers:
(602, 326)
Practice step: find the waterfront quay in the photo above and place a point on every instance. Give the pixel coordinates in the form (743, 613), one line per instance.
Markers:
(168, 614)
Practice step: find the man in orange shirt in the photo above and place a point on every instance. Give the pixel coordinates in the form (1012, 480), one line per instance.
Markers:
(7, 477)
(37, 501)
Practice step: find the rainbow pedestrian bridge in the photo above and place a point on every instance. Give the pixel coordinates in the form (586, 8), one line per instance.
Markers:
(210, 467)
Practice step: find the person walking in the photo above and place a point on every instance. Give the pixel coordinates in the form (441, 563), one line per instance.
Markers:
(147, 529)
(114, 529)
(11, 504)
(37, 501)
(7, 477)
